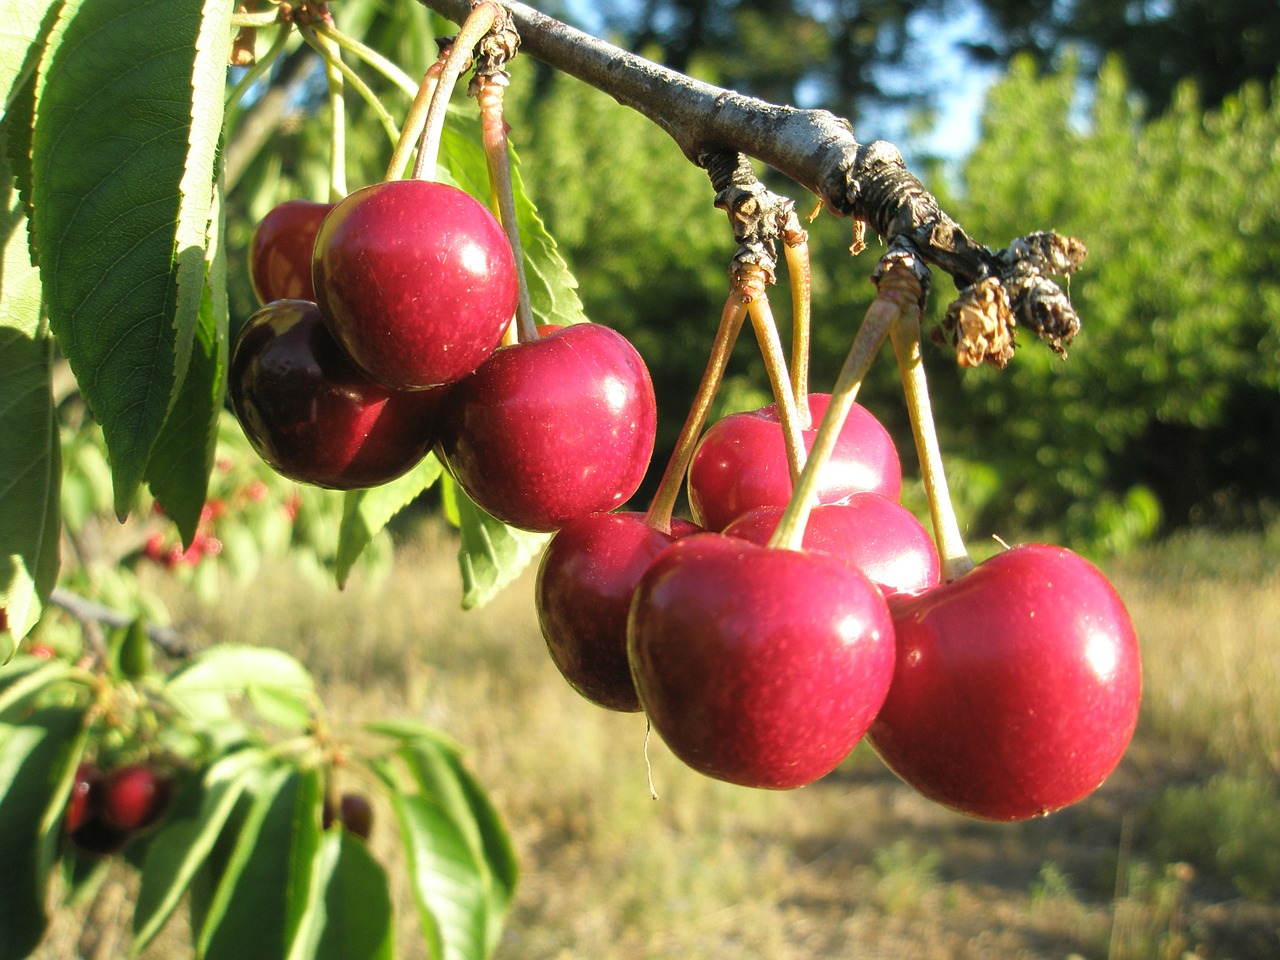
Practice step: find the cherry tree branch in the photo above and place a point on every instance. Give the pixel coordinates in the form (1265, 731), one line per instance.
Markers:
(869, 182)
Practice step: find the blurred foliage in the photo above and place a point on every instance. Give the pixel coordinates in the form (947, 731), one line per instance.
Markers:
(1169, 398)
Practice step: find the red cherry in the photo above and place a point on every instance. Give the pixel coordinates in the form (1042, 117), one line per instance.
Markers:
(741, 463)
(154, 548)
(758, 666)
(416, 280)
(83, 800)
(585, 581)
(311, 414)
(552, 429)
(135, 797)
(1017, 686)
(280, 251)
(879, 536)
(356, 814)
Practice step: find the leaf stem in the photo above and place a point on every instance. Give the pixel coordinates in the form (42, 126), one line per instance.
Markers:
(411, 132)
(370, 56)
(801, 277)
(252, 75)
(663, 504)
(332, 56)
(337, 106)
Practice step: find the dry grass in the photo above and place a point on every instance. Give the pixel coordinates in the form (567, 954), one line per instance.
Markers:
(856, 865)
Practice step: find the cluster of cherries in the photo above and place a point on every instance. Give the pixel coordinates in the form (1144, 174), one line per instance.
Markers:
(171, 554)
(107, 809)
(381, 339)
(1005, 693)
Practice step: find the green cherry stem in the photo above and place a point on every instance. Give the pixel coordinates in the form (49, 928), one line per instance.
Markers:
(414, 120)
(493, 135)
(332, 54)
(660, 509)
(479, 22)
(775, 365)
(880, 316)
(369, 56)
(905, 333)
(337, 108)
(796, 252)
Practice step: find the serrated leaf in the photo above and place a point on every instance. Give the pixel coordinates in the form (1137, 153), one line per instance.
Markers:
(178, 471)
(449, 887)
(441, 776)
(491, 554)
(366, 512)
(34, 757)
(553, 290)
(121, 173)
(22, 32)
(351, 917)
(30, 452)
(181, 846)
(249, 902)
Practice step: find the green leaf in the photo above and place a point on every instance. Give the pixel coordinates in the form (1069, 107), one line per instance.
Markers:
(184, 842)
(553, 290)
(30, 462)
(492, 554)
(228, 669)
(441, 776)
(403, 728)
(351, 917)
(25, 677)
(122, 182)
(22, 32)
(178, 472)
(365, 512)
(250, 902)
(36, 756)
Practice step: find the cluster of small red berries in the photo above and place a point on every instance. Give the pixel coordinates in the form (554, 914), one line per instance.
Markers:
(107, 809)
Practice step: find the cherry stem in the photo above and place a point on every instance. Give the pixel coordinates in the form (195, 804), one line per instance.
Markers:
(801, 277)
(331, 51)
(337, 107)
(479, 22)
(789, 534)
(493, 134)
(369, 56)
(415, 119)
(663, 504)
(775, 366)
(905, 333)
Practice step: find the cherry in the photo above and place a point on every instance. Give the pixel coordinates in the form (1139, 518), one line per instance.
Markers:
(83, 821)
(552, 429)
(356, 814)
(1017, 686)
(311, 414)
(280, 251)
(762, 667)
(585, 581)
(135, 797)
(740, 463)
(879, 536)
(416, 280)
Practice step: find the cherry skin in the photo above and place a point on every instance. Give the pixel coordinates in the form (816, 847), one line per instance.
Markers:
(416, 280)
(758, 666)
(741, 463)
(135, 797)
(87, 828)
(356, 814)
(280, 251)
(311, 414)
(552, 429)
(84, 799)
(1017, 686)
(585, 581)
(880, 537)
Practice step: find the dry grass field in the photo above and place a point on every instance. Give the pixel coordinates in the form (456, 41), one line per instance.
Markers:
(1177, 856)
